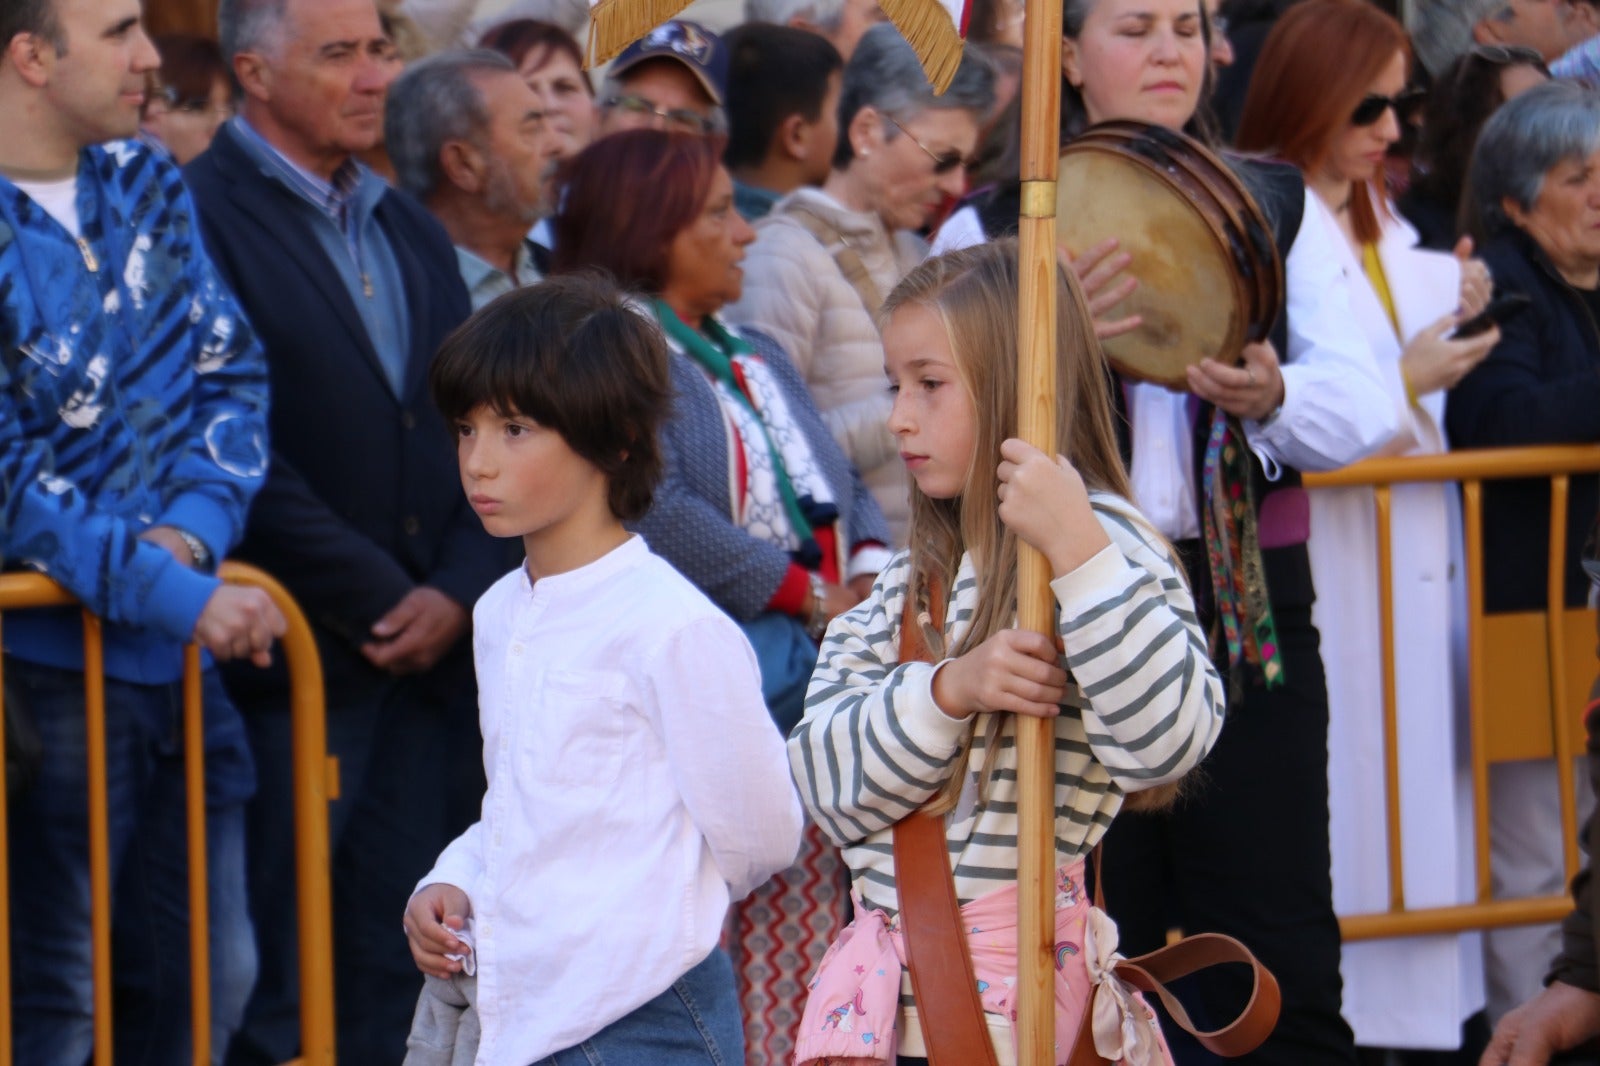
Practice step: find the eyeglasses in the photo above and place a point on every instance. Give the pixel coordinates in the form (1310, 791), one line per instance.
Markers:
(1509, 55)
(1372, 107)
(943, 162)
(681, 119)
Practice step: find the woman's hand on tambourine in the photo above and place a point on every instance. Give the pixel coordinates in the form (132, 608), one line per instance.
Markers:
(1100, 273)
(1253, 389)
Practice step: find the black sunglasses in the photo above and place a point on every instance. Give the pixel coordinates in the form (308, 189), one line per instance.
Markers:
(1372, 106)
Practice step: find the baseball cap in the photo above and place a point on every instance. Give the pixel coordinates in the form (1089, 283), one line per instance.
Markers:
(687, 42)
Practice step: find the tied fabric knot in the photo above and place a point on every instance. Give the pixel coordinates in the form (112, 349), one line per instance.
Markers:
(1123, 1029)
(469, 959)
(1233, 548)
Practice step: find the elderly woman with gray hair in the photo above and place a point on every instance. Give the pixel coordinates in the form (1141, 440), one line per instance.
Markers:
(824, 259)
(1535, 186)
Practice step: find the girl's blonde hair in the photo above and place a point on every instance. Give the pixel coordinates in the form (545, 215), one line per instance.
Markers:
(974, 292)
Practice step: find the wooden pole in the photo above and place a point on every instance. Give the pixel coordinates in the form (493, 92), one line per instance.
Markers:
(1036, 419)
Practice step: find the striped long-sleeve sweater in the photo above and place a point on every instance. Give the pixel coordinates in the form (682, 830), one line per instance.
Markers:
(1145, 704)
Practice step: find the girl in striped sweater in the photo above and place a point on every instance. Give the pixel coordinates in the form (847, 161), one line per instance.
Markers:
(881, 738)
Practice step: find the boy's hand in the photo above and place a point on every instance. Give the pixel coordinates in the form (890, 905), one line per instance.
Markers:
(430, 916)
(1044, 502)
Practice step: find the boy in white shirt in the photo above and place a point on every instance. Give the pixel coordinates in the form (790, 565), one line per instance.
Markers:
(636, 784)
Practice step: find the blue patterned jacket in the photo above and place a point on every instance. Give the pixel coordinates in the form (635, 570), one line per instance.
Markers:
(132, 394)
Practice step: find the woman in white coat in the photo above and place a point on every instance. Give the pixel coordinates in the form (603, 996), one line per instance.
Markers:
(1334, 113)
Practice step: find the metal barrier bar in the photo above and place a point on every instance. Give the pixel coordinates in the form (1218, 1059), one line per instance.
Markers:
(1471, 468)
(1472, 520)
(5, 894)
(94, 698)
(315, 779)
(194, 774)
(1555, 591)
(1383, 498)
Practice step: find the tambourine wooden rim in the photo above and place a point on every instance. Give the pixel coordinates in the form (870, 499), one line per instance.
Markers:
(1253, 222)
(1257, 255)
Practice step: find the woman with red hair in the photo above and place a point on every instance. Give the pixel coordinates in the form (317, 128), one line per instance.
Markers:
(1334, 112)
(758, 506)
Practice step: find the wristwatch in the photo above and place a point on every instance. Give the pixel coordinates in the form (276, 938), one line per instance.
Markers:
(817, 624)
(197, 548)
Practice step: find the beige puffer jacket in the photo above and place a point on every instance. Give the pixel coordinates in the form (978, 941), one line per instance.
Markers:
(796, 293)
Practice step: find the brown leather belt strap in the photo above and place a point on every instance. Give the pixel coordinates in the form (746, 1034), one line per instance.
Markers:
(942, 980)
(1152, 972)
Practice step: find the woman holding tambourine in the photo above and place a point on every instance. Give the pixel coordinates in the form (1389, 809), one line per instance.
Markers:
(1245, 851)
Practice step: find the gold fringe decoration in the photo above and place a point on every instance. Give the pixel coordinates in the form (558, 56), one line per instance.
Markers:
(615, 24)
(926, 26)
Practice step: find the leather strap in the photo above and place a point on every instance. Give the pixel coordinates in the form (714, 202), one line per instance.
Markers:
(845, 256)
(942, 979)
(1151, 973)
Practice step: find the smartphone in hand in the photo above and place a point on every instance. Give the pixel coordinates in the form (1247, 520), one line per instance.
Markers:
(1502, 309)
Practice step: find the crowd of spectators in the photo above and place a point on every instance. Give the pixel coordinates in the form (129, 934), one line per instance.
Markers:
(226, 267)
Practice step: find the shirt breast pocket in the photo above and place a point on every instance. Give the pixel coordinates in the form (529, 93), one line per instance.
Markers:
(592, 731)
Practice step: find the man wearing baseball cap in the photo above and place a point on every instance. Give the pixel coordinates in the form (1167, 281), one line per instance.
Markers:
(673, 78)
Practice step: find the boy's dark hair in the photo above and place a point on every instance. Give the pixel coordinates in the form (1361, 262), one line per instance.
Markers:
(570, 354)
(773, 72)
(31, 16)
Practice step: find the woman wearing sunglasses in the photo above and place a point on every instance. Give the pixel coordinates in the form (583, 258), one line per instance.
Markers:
(825, 258)
(1334, 113)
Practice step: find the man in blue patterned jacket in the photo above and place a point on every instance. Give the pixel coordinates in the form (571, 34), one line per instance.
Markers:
(132, 437)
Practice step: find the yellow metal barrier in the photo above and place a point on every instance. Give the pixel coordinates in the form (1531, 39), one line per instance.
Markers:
(313, 778)
(1516, 660)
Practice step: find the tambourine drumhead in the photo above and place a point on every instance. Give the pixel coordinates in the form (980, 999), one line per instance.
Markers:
(1192, 301)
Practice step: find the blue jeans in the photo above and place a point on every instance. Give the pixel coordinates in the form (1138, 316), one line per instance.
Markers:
(693, 1023)
(53, 1008)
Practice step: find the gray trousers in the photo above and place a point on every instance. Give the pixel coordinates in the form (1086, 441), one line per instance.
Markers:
(445, 1030)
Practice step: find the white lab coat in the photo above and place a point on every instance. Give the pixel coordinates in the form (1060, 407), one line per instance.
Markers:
(1410, 993)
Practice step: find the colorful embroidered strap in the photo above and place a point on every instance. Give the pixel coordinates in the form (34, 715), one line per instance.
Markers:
(1244, 613)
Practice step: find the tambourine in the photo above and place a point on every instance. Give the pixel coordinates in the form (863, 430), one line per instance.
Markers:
(1210, 277)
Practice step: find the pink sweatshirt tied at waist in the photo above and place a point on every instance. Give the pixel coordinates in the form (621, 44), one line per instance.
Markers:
(849, 1018)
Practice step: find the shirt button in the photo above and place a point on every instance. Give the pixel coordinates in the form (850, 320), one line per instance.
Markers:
(516, 649)
(412, 526)
(408, 420)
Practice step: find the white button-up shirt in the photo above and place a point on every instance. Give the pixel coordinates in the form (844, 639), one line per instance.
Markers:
(636, 787)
